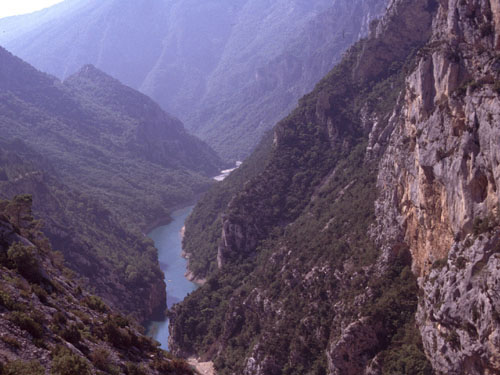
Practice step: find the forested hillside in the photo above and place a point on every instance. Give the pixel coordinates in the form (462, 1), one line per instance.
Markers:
(362, 236)
(228, 69)
(50, 324)
(103, 162)
(105, 137)
(300, 283)
(118, 264)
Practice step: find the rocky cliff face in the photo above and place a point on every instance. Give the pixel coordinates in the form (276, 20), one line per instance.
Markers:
(439, 180)
(375, 215)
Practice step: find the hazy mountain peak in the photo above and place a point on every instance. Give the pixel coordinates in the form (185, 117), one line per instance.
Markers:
(90, 71)
(14, 70)
(228, 68)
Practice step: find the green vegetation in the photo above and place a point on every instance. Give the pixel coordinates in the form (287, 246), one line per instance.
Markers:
(64, 362)
(304, 211)
(406, 354)
(11, 341)
(95, 303)
(203, 226)
(27, 323)
(71, 334)
(102, 163)
(101, 360)
(49, 316)
(22, 368)
(23, 258)
(8, 302)
(172, 366)
(101, 241)
(133, 369)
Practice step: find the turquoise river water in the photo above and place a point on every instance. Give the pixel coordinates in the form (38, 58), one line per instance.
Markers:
(168, 241)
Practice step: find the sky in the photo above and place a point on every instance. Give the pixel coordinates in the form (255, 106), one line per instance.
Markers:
(15, 7)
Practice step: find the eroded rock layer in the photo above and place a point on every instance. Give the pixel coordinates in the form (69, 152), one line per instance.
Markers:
(362, 236)
(439, 179)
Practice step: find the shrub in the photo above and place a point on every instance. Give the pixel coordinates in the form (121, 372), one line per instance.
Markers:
(483, 225)
(40, 293)
(72, 334)
(22, 368)
(119, 337)
(407, 359)
(461, 263)
(439, 263)
(65, 362)
(101, 359)
(95, 303)
(85, 318)
(23, 259)
(59, 318)
(26, 323)
(133, 369)
(176, 366)
(6, 301)
(19, 210)
(11, 341)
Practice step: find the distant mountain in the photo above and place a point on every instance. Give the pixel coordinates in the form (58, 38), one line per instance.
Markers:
(105, 137)
(260, 80)
(229, 68)
(103, 163)
(117, 264)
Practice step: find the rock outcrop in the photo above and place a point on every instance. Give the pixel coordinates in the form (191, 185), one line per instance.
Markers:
(438, 183)
(49, 324)
(368, 243)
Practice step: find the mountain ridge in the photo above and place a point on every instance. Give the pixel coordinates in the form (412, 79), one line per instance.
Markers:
(362, 235)
(102, 163)
(219, 76)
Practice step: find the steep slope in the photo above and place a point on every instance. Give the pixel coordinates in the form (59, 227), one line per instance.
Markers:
(102, 162)
(302, 283)
(146, 131)
(243, 101)
(105, 137)
(49, 324)
(442, 167)
(366, 233)
(119, 265)
(214, 64)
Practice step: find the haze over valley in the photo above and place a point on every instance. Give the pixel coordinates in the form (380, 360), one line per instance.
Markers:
(250, 187)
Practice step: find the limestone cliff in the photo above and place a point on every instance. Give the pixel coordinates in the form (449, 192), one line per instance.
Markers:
(438, 183)
(367, 242)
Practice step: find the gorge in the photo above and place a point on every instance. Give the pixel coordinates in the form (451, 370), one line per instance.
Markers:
(361, 235)
(168, 241)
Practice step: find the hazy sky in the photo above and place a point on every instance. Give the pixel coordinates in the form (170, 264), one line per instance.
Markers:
(14, 7)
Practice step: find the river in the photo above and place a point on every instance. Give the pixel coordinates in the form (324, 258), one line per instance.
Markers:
(168, 241)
